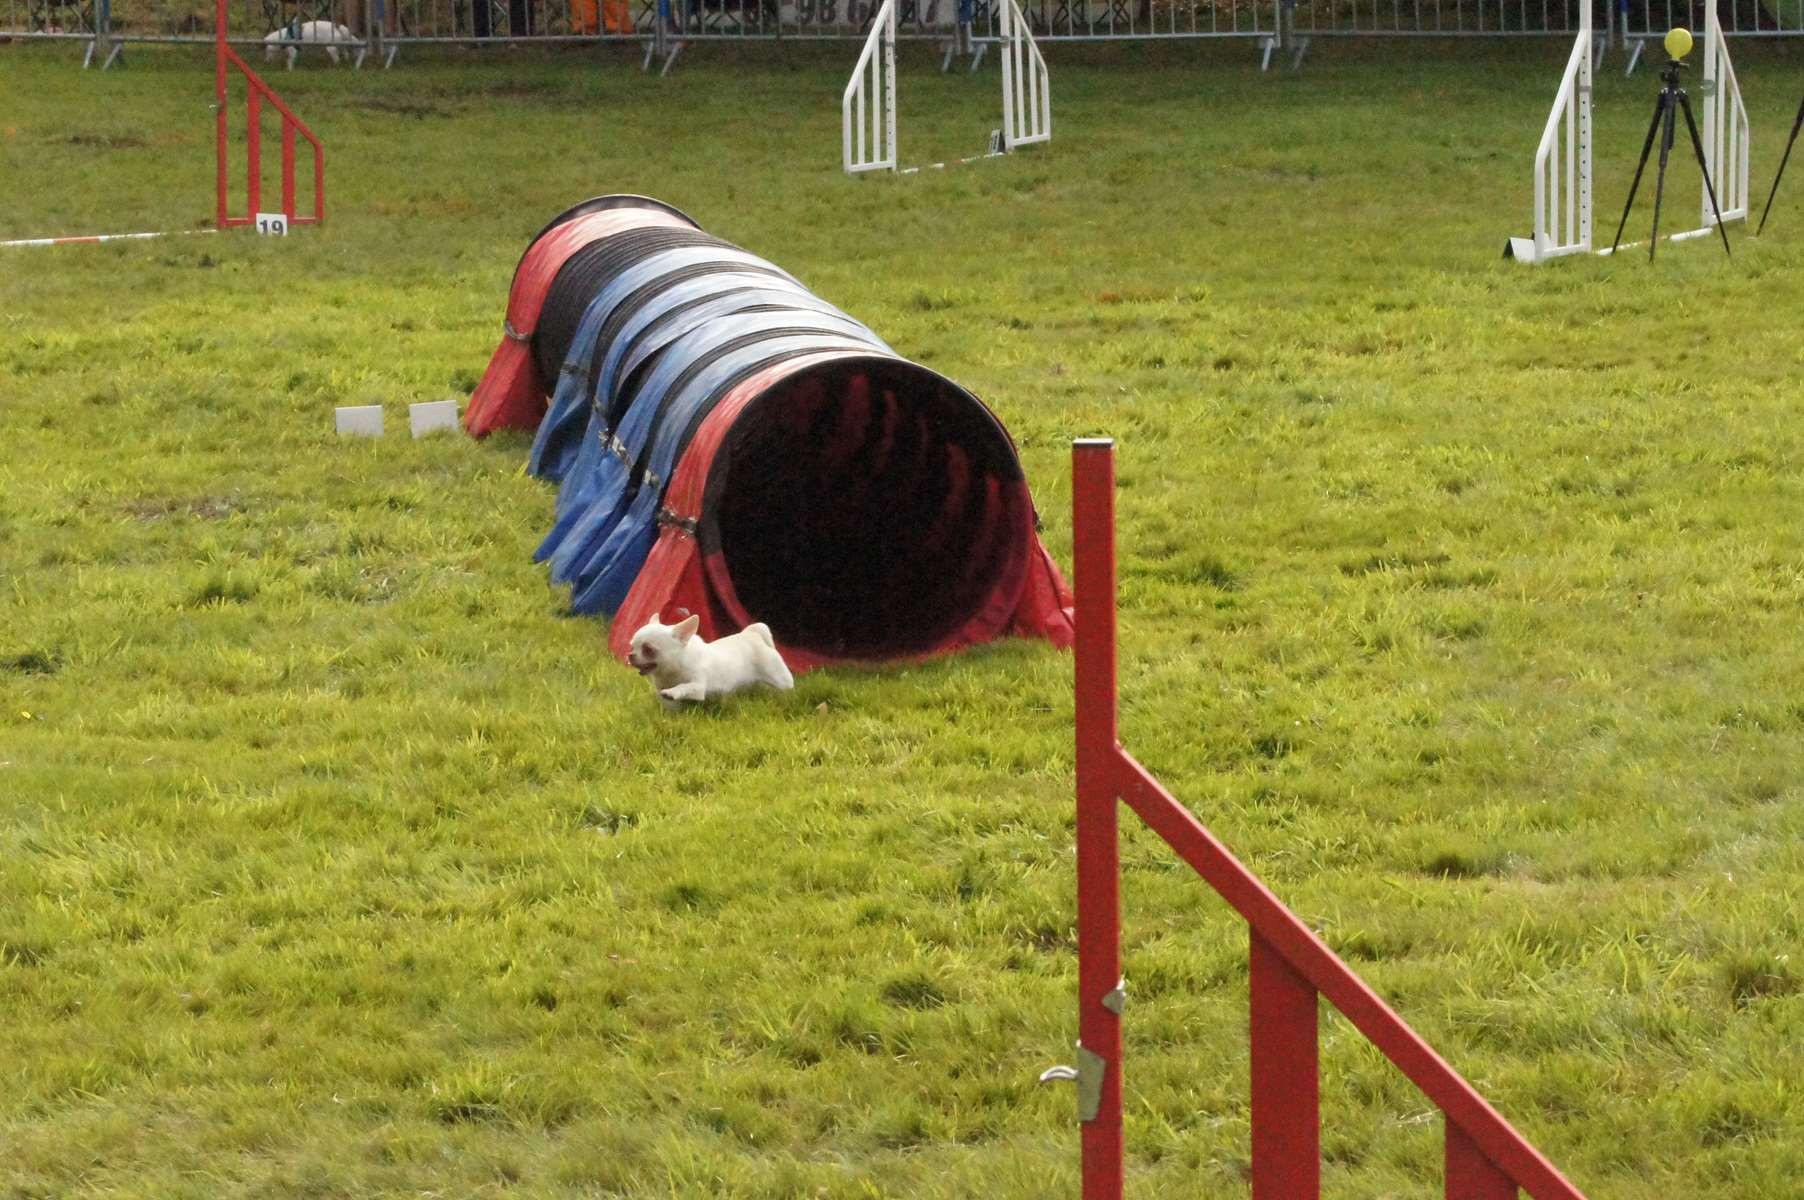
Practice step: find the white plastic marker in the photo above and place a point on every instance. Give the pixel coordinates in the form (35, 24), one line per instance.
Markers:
(432, 416)
(100, 237)
(362, 420)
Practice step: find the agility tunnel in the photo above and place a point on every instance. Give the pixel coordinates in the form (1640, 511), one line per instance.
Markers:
(728, 443)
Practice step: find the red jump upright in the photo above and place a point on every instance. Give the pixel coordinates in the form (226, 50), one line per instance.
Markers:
(227, 60)
(1288, 965)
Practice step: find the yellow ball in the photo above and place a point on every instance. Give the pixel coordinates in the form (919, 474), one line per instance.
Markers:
(1678, 42)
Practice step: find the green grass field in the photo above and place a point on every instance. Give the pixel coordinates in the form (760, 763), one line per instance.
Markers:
(1460, 598)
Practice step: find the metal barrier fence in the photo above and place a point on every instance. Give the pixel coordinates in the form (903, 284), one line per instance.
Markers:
(108, 28)
(1436, 18)
(1106, 20)
(1623, 20)
(401, 22)
(664, 26)
(809, 20)
(57, 20)
(70, 19)
(1641, 21)
(959, 26)
(1766, 18)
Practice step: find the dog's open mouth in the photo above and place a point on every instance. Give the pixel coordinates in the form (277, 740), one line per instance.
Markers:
(645, 668)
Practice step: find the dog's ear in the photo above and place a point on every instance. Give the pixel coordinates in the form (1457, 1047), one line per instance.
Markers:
(685, 629)
(655, 620)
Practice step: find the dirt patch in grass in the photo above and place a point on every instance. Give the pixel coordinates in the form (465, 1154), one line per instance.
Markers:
(32, 662)
(403, 106)
(107, 141)
(207, 508)
(1751, 978)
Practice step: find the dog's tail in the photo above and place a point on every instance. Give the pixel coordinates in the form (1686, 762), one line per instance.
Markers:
(774, 670)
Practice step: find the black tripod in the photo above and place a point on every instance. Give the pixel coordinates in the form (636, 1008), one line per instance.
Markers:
(1671, 97)
(1781, 175)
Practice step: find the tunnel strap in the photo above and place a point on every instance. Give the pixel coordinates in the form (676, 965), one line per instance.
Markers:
(624, 453)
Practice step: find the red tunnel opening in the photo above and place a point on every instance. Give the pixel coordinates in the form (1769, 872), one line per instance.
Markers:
(868, 508)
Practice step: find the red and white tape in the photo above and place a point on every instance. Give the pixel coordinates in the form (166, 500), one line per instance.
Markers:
(99, 237)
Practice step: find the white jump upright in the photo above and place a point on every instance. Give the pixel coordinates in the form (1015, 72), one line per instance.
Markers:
(1563, 163)
(1026, 87)
(1725, 131)
(868, 108)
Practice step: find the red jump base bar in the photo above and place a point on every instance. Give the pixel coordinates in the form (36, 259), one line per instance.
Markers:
(1288, 965)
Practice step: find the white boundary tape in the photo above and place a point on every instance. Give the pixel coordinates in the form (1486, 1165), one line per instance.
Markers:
(100, 237)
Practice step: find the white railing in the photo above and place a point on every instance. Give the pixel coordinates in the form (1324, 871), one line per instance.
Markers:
(868, 108)
(1725, 131)
(1563, 164)
(1026, 87)
(1436, 18)
(1122, 20)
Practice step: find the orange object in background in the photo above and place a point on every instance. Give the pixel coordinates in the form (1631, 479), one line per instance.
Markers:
(589, 16)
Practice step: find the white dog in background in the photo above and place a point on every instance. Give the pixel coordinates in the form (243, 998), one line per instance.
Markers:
(684, 667)
(305, 33)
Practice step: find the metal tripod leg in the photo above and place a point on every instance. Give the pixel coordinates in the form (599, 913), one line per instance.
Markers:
(1790, 142)
(1666, 132)
(1697, 146)
(1648, 145)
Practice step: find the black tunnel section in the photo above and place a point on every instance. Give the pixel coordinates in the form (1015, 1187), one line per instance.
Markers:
(870, 508)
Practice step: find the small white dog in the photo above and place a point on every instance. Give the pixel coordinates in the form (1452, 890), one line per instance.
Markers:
(301, 33)
(683, 667)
